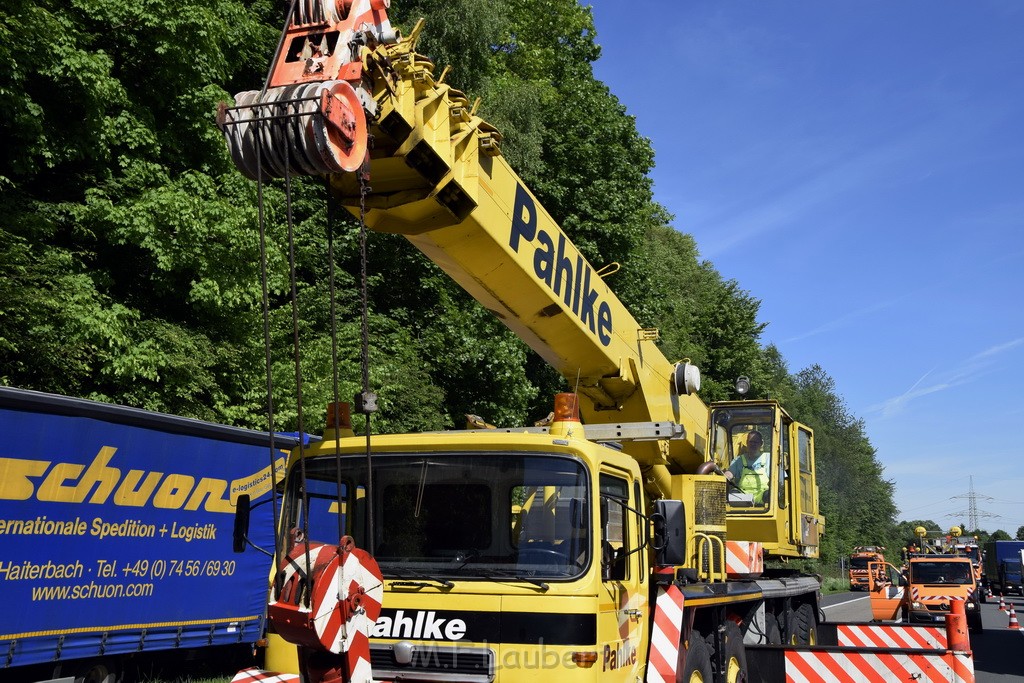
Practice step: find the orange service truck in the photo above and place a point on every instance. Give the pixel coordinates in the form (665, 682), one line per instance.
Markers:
(860, 559)
(926, 590)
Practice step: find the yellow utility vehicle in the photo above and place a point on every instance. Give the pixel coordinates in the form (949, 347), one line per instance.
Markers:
(607, 545)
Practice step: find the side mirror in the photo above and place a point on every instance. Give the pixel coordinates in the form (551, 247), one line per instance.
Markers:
(241, 530)
(669, 541)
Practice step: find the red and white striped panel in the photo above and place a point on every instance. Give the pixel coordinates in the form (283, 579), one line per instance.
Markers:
(916, 594)
(361, 581)
(892, 636)
(347, 590)
(815, 666)
(666, 636)
(260, 676)
(743, 559)
(358, 576)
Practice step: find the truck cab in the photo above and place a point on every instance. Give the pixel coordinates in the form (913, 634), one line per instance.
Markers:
(923, 591)
(860, 560)
(502, 553)
(1003, 560)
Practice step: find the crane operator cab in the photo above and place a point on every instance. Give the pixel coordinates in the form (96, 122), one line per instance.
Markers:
(743, 442)
(768, 461)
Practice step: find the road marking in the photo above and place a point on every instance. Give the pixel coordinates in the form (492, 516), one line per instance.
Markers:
(863, 597)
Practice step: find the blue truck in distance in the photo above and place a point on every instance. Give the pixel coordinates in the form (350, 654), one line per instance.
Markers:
(1003, 561)
(116, 536)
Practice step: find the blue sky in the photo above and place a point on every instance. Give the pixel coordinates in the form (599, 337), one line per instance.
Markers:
(859, 168)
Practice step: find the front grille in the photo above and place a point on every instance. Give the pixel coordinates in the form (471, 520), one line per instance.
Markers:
(431, 663)
(709, 504)
(940, 607)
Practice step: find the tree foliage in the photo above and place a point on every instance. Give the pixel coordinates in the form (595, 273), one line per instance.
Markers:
(132, 247)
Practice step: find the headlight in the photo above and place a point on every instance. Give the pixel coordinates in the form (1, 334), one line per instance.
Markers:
(915, 605)
(971, 605)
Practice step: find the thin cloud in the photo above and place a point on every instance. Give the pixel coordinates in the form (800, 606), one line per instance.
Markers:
(996, 350)
(935, 285)
(844, 320)
(970, 370)
(838, 170)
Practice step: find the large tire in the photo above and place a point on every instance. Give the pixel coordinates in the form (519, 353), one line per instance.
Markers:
(801, 627)
(772, 632)
(734, 655)
(697, 667)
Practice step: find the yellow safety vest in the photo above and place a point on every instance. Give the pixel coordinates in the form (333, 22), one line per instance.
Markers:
(753, 481)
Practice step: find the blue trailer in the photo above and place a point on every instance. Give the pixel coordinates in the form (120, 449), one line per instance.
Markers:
(116, 536)
(1003, 566)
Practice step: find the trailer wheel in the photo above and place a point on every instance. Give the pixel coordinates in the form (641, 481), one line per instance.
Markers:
(97, 673)
(697, 668)
(734, 658)
(801, 628)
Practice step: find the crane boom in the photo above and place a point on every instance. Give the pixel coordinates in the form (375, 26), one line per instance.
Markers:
(438, 178)
(459, 202)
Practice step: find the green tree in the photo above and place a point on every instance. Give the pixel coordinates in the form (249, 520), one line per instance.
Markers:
(131, 245)
(855, 497)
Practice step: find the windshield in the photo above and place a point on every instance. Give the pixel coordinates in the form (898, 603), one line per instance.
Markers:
(741, 442)
(456, 515)
(859, 562)
(941, 572)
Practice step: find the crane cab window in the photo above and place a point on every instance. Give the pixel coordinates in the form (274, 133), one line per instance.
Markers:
(744, 448)
(614, 529)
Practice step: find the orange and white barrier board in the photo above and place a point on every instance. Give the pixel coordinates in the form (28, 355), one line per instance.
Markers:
(743, 559)
(916, 594)
(817, 666)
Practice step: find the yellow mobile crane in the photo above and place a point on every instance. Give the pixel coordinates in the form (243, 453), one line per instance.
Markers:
(609, 545)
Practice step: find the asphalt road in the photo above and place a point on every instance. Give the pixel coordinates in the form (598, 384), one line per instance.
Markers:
(998, 652)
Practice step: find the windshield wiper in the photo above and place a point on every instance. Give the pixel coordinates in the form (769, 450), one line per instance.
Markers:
(412, 573)
(501, 573)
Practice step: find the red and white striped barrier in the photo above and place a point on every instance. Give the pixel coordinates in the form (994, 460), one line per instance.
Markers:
(666, 636)
(810, 666)
(892, 636)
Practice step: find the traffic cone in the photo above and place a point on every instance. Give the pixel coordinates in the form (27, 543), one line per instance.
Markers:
(1014, 624)
(1002, 605)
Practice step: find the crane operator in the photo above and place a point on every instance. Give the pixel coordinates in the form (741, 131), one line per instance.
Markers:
(749, 470)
